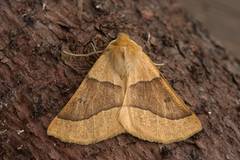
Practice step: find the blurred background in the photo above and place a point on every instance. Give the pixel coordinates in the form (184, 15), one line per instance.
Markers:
(221, 18)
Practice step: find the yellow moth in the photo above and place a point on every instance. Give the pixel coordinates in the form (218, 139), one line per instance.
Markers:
(124, 92)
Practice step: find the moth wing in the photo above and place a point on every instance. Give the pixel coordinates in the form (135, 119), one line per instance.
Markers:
(152, 110)
(91, 114)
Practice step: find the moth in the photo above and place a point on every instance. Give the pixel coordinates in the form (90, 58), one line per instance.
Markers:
(124, 92)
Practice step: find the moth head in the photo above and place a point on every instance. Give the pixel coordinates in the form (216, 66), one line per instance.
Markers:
(124, 48)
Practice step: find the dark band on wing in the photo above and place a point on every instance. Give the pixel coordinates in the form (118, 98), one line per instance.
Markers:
(92, 99)
(158, 98)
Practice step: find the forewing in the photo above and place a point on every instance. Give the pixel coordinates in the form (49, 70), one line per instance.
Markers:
(152, 110)
(91, 114)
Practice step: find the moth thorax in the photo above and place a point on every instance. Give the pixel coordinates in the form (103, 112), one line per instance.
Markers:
(117, 59)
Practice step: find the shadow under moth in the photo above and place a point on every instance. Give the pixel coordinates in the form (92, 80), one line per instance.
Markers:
(124, 92)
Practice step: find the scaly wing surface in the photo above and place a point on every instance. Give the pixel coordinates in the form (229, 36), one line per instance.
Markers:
(152, 110)
(91, 114)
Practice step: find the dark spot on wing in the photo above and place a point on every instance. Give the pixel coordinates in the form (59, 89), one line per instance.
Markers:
(168, 99)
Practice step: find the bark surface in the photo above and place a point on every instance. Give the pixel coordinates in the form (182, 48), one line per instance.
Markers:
(37, 80)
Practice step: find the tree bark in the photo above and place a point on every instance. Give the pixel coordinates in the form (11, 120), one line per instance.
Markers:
(37, 80)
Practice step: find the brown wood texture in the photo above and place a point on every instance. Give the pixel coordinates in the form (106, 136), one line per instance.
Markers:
(36, 80)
